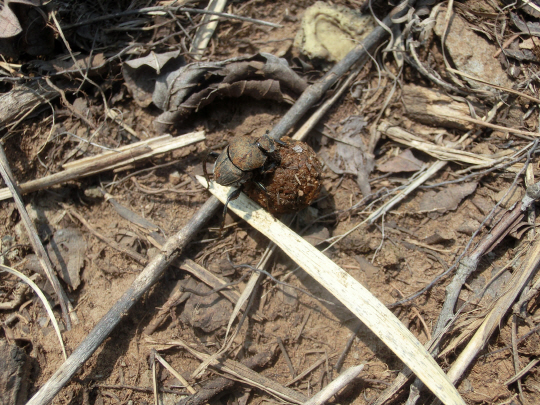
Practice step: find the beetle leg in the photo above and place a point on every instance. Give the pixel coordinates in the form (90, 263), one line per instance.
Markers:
(265, 191)
(213, 154)
(270, 167)
(233, 196)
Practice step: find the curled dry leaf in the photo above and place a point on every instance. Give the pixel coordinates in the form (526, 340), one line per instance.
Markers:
(140, 74)
(179, 90)
(23, 28)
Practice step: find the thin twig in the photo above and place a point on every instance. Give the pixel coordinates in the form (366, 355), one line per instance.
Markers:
(157, 10)
(151, 273)
(39, 250)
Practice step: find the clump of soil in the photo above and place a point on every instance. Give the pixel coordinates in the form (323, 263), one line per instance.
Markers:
(294, 184)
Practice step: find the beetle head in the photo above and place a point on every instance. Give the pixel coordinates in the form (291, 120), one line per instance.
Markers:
(266, 144)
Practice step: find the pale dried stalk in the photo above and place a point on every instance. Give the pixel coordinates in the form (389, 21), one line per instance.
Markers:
(241, 372)
(108, 161)
(44, 301)
(165, 364)
(346, 289)
(335, 386)
(158, 145)
(445, 153)
(492, 321)
(206, 30)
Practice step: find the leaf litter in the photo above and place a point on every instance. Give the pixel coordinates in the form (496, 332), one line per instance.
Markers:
(403, 253)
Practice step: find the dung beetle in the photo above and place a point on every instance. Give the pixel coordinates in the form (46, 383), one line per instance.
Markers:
(242, 160)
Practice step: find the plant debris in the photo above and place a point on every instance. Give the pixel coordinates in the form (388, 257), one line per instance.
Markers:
(418, 188)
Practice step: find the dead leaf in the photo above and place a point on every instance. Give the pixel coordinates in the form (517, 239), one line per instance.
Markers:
(351, 156)
(185, 89)
(404, 162)
(67, 250)
(523, 56)
(447, 199)
(141, 74)
(207, 312)
(267, 89)
(531, 28)
(529, 43)
(24, 29)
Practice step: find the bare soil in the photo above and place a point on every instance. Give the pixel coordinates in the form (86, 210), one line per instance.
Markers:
(393, 258)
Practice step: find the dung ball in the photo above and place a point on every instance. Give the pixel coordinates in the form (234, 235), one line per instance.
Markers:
(294, 184)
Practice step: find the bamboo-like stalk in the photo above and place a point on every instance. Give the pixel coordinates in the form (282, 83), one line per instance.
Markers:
(109, 161)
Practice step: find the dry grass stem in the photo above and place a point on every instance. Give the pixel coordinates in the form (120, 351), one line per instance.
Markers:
(206, 30)
(445, 153)
(174, 372)
(240, 372)
(109, 160)
(335, 386)
(43, 300)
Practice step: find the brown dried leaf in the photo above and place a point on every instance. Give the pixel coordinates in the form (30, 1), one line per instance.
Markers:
(22, 18)
(404, 162)
(447, 199)
(140, 75)
(351, 154)
(67, 250)
(180, 91)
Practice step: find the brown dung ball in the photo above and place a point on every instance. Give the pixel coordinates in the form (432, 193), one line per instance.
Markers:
(294, 184)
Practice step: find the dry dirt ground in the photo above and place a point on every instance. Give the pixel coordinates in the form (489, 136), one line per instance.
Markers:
(395, 257)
